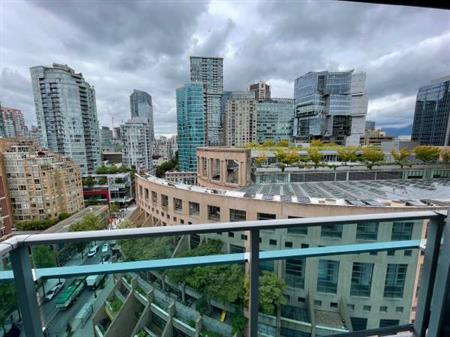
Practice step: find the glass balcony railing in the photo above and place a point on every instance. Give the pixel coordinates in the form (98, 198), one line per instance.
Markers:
(368, 275)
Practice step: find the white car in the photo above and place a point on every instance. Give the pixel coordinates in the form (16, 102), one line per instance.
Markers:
(92, 251)
(105, 248)
(54, 291)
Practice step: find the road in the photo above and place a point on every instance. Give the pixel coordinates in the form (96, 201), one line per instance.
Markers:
(56, 320)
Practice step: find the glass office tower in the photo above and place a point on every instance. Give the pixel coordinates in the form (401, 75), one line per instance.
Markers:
(190, 124)
(274, 119)
(141, 106)
(331, 106)
(432, 114)
(66, 114)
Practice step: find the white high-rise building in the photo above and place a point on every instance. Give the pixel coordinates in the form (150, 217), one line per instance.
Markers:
(137, 144)
(67, 114)
(141, 106)
(240, 118)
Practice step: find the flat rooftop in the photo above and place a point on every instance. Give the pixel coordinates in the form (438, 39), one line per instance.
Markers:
(353, 192)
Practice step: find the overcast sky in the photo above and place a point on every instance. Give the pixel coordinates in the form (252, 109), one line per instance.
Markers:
(124, 45)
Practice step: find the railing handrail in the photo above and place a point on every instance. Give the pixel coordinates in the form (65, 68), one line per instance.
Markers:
(129, 233)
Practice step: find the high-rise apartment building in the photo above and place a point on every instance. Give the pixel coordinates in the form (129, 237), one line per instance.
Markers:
(331, 106)
(209, 72)
(240, 118)
(191, 118)
(274, 119)
(141, 106)
(13, 123)
(261, 89)
(137, 144)
(66, 113)
(432, 114)
(107, 138)
(41, 185)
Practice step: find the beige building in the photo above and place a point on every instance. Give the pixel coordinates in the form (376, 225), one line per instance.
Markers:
(364, 290)
(261, 90)
(240, 118)
(41, 184)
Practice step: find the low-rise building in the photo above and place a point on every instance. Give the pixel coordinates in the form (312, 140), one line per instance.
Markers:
(108, 188)
(176, 177)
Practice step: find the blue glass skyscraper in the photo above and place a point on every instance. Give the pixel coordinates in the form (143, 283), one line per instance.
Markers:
(190, 124)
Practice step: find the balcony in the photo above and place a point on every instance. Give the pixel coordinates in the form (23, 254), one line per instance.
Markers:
(145, 300)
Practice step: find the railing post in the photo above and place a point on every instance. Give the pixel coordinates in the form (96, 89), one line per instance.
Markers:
(26, 294)
(254, 283)
(434, 234)
(440, 302)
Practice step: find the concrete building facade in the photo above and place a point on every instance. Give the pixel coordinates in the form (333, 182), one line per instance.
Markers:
(261, 90)
(240, 118)
(66, 113)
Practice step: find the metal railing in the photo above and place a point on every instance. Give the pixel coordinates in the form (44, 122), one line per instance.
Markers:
(432, 295)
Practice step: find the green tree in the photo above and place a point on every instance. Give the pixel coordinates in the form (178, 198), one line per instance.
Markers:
(268, 143)
(445, 155)
(316, 143)
(114, 208)
(427, 154)
(90, 222)
(271, 292)
(251, 145)
(372, 156)
(166, 166)
(315, 156)
(147, 248)
(7, 301)
(283, 143)
(88, 181)
(347, 153)
(287, 157)
(43, 257)
(35, 225)
(261, 160)
(400, 156)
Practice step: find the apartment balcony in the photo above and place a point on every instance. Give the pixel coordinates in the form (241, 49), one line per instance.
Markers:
(147, 296)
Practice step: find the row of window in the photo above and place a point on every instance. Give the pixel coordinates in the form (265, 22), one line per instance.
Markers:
(361, 282)
(364, 231)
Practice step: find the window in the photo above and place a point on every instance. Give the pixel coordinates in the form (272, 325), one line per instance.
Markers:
(333, 305)
(194, 208)
(272, 242)
(332, 231)
(359, 323)
(361, 279)
(328, 276)
(297, 230)
(237, 215)
(164, 202)
(213, 213)
(215, 169)
(395, 280)
(288, 244)
(178, 205)
(407, 252)
(231, 234)
(384, 323)
(265, 216)
(367, 308)
(232, 171)
(399, 309)
(147, 194)
(402, 230)
(266, 265)
(154, 197)
(383, 308)
(367, 231)
(295, 276)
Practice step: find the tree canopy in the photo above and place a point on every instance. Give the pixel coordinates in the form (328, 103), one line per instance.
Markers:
(90, 222)
(315, 156)
(287, 157)
(445, 155)
(347, 154)
(372, 155)
(400, 156)
(113, 169)
(39, 225)
(7, 300)
(427, 153)
(166, 166)
(43, 257)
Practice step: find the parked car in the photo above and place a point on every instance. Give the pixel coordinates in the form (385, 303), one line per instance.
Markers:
(105, 248)
(54, 291)
(92, 251)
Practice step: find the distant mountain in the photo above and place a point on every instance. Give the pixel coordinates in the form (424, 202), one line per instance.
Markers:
(405, 131)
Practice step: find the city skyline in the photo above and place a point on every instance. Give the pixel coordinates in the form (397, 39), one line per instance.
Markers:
(383, 41)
